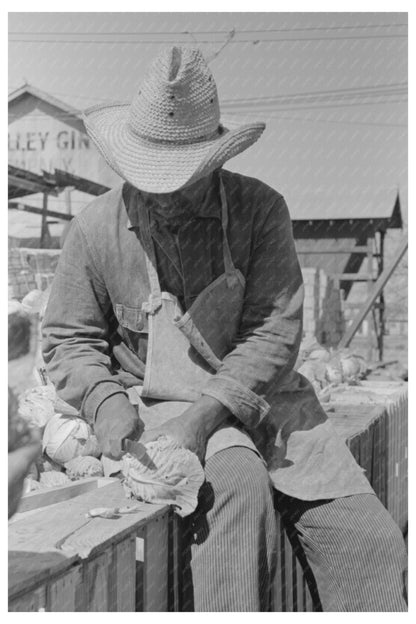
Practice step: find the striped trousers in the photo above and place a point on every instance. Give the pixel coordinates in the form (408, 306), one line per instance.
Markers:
(352, 545)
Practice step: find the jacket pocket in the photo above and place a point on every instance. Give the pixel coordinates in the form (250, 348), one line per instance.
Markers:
(133, 327)
(131, 317)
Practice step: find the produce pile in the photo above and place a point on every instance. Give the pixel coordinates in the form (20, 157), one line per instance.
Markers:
(329, 369)
(70, 448)
(168, 474)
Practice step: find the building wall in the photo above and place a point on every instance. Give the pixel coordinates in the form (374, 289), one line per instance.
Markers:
(42, 138)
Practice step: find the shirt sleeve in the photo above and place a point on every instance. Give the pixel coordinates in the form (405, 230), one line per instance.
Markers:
(267, 344)
(75, 329)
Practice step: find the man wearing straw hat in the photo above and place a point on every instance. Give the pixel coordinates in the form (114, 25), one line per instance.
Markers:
(177, 305)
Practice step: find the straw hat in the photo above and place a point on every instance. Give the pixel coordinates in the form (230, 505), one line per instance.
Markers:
(170, 135)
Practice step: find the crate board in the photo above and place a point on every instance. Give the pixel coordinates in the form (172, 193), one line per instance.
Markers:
(88, 563)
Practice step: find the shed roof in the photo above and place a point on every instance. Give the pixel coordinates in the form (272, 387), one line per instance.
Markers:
(324, 205)
(29, 90)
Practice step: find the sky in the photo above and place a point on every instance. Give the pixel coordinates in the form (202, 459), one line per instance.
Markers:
(336, 82)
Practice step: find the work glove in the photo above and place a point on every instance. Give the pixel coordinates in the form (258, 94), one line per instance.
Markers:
(115, 421)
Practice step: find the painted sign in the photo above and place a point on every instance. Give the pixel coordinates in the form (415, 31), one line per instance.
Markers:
(41, 142)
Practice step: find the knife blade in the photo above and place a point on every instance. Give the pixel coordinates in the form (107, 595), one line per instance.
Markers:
(134, 448)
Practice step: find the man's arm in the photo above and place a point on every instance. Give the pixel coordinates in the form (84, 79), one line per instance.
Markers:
(270, 332)
(75, 330)
(267, 344)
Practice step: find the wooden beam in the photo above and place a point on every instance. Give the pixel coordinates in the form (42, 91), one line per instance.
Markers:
(378, 287)
(39, 498)
(359, 249)
(353, 277)
(64, 178)
(50, 213)
(29, 185)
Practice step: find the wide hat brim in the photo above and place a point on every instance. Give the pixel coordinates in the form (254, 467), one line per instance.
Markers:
(157, 167)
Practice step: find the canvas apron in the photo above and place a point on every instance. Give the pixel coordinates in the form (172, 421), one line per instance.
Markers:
(185, 350)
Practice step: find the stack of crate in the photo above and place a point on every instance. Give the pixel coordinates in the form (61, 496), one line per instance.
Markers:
(31, 269)
(21, 276)
(323, 316)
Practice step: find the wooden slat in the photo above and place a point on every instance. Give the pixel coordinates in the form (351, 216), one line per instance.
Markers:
(358, 249)
(402, 471)
(139, 577)
(406, 474)
(30, 601)
(125, 574)
(66, 593)
(36, 500)
(382, 459)
(156, 565)
(392, 489)
(396, 447)
(174, 570)
(96, 583)
(353, 277)
(390, 471)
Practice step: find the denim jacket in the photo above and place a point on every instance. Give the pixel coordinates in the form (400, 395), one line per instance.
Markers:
(95, 331)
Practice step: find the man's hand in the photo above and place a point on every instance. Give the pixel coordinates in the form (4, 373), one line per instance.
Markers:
(116, 420)
(20, 461)
(192, 428)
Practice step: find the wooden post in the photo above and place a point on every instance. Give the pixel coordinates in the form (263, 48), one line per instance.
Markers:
(371, 332)
(45, 237)
(67, 192)
(381, 309)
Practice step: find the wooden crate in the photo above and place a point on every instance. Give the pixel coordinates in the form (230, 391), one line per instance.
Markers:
(134, 563)
(376, 434)
(59, 560)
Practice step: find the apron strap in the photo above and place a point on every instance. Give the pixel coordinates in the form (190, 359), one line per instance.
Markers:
(228, 261)
(155, 299)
